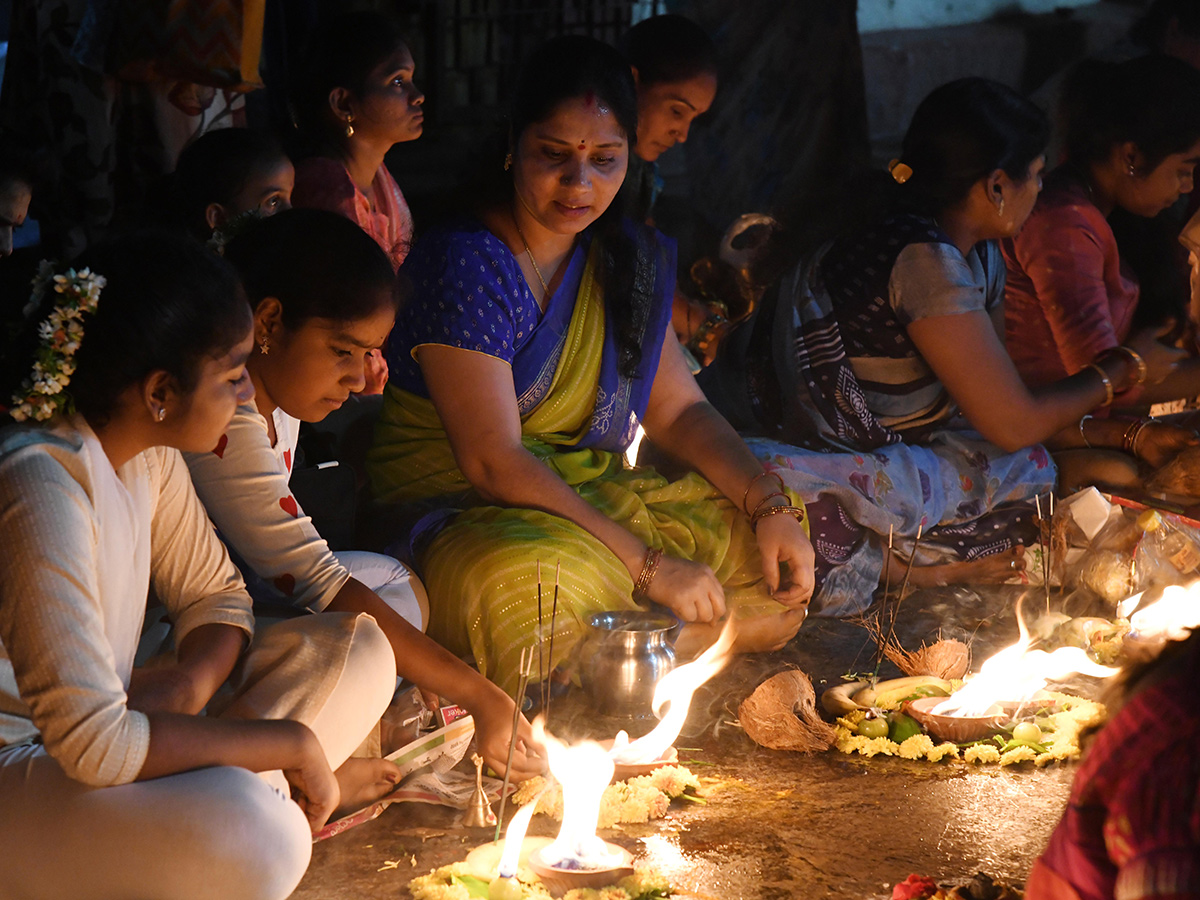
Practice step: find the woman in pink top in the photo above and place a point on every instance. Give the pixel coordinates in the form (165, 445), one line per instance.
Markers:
(355, 101)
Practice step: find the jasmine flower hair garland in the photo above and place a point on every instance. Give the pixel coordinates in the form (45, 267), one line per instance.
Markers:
(44, 393)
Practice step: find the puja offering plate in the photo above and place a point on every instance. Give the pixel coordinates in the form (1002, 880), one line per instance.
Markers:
(622, 772)
(559, 880)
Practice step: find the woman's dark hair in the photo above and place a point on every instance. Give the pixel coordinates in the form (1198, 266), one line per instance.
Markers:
(342, 52)
(669, 49)
(215, 167)
(962, 132)
(576, 66)
(168, 304)
(1152, 101)
(319, 265)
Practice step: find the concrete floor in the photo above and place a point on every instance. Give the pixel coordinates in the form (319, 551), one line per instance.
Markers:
(777, 824)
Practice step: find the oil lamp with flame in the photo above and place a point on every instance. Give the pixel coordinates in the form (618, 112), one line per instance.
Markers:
(578, 857)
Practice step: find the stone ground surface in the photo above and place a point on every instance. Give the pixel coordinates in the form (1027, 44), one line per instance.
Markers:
(776, 824)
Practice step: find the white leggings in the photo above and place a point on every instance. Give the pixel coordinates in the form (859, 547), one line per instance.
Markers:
(390, 579)
(211, 834)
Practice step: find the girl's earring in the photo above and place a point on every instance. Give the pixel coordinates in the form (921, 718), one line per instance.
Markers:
(507, 161)
(1000, 208)
(349, 126)
(161, 414)
(1132, 171)
(264, 346)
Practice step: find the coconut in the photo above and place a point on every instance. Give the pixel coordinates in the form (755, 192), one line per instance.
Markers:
(947, 659)
(782, 714)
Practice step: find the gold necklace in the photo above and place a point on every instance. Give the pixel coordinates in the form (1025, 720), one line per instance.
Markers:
(529, 253)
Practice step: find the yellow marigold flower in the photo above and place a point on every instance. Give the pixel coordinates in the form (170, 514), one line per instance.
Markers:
(982, 753)
(1017, 755)
(916, 746)
(941, 751)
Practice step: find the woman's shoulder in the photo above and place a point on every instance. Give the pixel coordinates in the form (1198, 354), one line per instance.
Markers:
(37, 449)
(1063, 202)
(460, 243)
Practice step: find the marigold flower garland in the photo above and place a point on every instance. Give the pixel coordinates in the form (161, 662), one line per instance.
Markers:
(44, 393)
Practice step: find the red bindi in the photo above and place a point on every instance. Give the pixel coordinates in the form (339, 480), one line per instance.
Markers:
(582, 145)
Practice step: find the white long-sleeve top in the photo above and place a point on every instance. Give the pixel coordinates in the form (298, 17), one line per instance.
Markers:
(81, 542)
(243, 483)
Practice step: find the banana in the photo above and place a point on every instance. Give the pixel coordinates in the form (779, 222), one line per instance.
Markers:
(836, 700)
(888, 694)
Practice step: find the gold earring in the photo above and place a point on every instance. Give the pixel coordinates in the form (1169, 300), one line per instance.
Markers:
(349, 126)
(1000, 208)
(507, 161)
(264, 346)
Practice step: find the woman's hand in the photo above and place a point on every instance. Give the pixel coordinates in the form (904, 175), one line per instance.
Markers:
(1158, 443)
(314, 787)
(787, 559)
(1160, 359)
(689, 589)
(493, 731)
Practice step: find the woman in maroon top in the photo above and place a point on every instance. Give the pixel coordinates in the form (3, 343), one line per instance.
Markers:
(1133, 140)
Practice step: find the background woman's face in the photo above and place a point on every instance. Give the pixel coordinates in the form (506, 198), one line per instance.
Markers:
(1148, 194)
(666, 111)
(568, 168)
(391, 105)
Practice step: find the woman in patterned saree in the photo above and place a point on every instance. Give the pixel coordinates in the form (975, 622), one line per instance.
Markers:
(531, 351)
(888, 343)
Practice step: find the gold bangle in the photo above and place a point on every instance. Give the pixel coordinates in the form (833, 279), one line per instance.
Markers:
(796, 511)
(763, 474)
(1105, 380)
(641, 588)
(770, 496)
(1138, 362)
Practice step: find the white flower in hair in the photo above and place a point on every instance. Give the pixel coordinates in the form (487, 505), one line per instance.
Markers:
(60, 335)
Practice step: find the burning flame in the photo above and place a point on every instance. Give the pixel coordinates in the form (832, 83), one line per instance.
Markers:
(510, 858)
(1170, 618)
(1016, 673)
(584, 771)
(675, 688)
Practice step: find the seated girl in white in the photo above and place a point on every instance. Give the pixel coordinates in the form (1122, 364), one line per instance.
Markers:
(324, 295)
(111, 784)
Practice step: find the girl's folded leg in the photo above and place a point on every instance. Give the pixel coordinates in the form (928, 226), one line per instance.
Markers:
(392, 581)
(211, 834)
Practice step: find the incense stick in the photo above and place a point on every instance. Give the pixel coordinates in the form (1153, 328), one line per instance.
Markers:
(550, 660)
(887, 566)
(522, 684)
(1049, 551)
(541, 635)
(1045, 541)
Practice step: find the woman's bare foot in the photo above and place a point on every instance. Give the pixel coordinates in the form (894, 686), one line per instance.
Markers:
(994, 569)
(760, 634)
(362, 781)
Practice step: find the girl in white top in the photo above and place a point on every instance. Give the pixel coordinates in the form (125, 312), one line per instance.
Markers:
(324, 296)
(111, 784)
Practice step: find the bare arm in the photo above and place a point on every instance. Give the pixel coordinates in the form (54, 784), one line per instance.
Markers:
(967, 357)
(423, 661)
(684, 424)
(206, 656)
(180, 743)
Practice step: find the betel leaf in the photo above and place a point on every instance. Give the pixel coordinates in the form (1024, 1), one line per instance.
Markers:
(476, 887)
